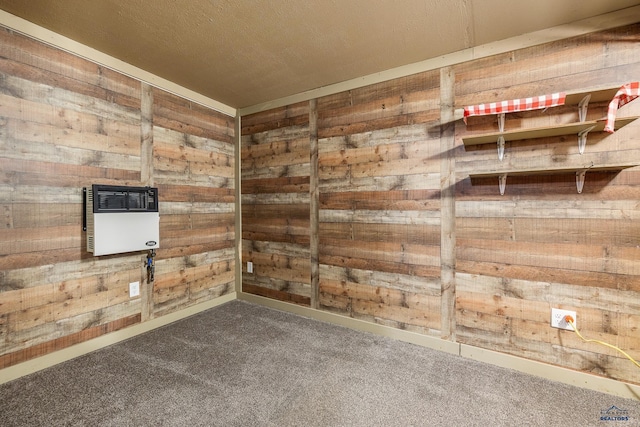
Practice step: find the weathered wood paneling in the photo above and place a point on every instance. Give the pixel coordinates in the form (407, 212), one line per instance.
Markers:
(379, 178)
(448, 212)
(542, 245)
(66, 123)
(193, 158)
(407, 239)
(276, 203)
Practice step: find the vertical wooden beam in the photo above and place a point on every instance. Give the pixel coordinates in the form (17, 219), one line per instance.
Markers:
(146, 178)
(146, 125)
(447, 205)
(314, 203)
(238, 202)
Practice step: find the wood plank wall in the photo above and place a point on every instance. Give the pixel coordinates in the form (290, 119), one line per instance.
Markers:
(66, 123)
(275, 162)
(542, 245)
(402, 244)
(193, 158)
(379, 231)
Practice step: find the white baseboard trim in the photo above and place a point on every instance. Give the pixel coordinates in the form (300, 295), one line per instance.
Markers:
(527, 366)
(30, 366)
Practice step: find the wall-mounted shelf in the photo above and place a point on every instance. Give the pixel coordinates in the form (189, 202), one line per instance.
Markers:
(581, 128)
(580, 173)
(582, 99)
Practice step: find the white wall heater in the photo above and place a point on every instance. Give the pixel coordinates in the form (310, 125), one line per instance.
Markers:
(121, 219)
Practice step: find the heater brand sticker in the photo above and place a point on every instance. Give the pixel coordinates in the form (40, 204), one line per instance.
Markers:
(151, 243)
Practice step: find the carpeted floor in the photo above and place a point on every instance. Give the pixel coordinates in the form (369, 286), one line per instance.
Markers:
(245, 365)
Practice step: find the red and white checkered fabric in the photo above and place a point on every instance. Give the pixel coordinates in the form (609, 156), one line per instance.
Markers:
(524, 104)
(625, 94)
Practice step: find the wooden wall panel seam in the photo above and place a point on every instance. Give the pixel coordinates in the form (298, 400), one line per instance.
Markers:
(314, 195)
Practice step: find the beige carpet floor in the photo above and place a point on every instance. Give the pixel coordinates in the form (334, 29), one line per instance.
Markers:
(245, 365)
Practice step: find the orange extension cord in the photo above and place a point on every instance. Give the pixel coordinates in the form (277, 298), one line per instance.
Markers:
(569, 320)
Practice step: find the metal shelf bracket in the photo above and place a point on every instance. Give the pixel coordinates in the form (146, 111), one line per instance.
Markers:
(582, 138)
(501, 117)
(580, 176)
(501, 147)
(502, 181)
(580, 180)
(582, 108)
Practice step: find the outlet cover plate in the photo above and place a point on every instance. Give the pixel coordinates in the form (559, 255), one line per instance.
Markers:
(557, 319)
(249, 267)
(134, 289)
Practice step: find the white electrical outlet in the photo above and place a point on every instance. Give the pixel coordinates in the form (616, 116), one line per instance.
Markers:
(249, 267)
(134, 289)
(558, 319)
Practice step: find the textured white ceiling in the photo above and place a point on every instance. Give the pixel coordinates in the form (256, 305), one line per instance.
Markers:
(246, 52)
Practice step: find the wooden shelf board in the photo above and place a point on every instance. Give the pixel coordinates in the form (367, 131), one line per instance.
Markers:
(605, 94)
(559, 171)
(599, 95)
(545, 132)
